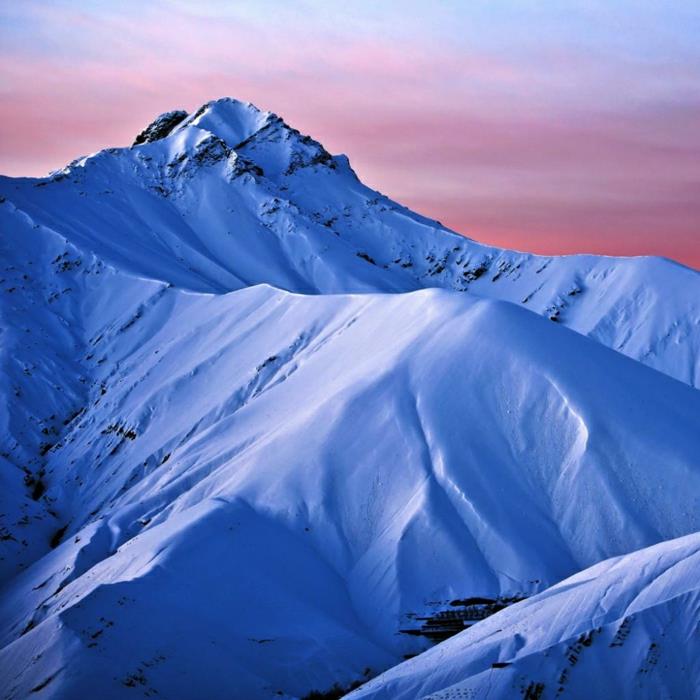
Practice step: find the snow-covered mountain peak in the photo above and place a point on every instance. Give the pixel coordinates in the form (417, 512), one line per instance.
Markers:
(267, 431)
(260, 141)
(232, 196)
(231, 120)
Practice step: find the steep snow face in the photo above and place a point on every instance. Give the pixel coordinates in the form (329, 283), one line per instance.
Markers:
(251, 493)
(231, 197)
(625, 628)
(230, 120)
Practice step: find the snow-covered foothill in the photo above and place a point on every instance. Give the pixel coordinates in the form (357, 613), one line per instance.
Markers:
(624, 628)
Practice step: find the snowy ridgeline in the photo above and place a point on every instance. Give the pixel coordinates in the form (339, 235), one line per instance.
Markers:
(625, 628)
(235, 466)
(231, 197)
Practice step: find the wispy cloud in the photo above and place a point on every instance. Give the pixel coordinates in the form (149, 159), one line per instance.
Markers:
(570, 126)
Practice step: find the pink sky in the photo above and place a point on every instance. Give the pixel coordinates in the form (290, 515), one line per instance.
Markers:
(548, 131)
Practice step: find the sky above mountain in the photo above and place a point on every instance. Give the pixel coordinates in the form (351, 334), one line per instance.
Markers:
(547, 126)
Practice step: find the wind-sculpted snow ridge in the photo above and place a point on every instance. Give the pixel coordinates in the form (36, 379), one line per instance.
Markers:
(625, 628)
(247, 453)
(231, 196)
(251, 494)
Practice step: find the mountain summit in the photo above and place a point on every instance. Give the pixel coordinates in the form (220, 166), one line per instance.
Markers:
(267, 433)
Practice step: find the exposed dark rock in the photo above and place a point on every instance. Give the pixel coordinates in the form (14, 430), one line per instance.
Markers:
(366, 257)
(57, 537)
(465, 612)
(211, 150)
(160, 127)
(242, 165)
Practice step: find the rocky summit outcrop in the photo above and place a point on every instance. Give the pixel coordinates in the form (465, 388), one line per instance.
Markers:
(160, 127)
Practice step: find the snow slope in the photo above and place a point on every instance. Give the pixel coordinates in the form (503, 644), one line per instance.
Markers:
(252, 492)
(627, 627)
(244, 446)
(231, 196)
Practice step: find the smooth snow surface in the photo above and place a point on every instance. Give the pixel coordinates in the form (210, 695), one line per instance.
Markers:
(257, 418)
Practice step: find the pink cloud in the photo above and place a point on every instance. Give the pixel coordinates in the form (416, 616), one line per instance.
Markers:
(511, 152)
